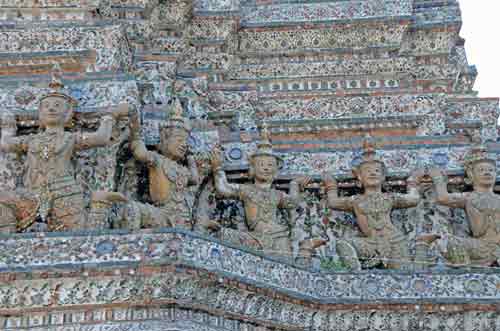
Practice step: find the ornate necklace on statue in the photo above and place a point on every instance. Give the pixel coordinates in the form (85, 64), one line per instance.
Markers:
(47, 145)
(46, 150)
(376, 206)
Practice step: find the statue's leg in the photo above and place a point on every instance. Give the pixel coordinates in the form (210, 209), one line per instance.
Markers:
(138, 215)
(131, 216)
(101, 203)
(7, 219)
(179, 215)
(68, 213)
(394, 252)
(241, 238)
(307, 247)
(457, 251)
(19, 210)
(348, 253)
(425, 256)
(481, 252)
(280, 246)
(157, 217)
(398, 255)
(98, 215)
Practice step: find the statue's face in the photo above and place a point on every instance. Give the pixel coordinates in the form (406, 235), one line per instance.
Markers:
(371, 174)
(54, 111)
(265, 168)
(179, 86)
(484, 173)
(176, 145)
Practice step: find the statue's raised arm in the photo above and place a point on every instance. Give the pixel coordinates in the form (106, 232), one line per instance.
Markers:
(380, 241)
(482, 207)
(51, 191)
(102, 136)
(443, 197)
(260, 200)
(169, 177)
(222, 186)
(331, 189)
(9, 143)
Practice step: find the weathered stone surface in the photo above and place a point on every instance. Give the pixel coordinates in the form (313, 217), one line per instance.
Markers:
(75, 251)
(321, 75)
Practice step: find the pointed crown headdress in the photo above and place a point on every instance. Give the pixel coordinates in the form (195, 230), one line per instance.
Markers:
(265, 146)
(57, 87)
(478, 153)
(369, 154)
(176, 120)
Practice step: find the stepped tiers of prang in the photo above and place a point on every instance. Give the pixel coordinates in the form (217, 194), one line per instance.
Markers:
(245, 165)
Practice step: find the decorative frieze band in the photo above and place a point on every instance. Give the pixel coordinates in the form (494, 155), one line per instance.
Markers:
(72, 252)
(324, 11)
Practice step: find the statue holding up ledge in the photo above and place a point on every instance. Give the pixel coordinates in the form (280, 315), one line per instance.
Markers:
(169, 178)
(261, 201)
(482, 207)
(51, 191)
(381, 240)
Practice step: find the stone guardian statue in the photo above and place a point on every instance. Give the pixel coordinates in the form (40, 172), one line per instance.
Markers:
(482, 207)
(51, 191)
(260, 200)
(381, 239)
(169, 178)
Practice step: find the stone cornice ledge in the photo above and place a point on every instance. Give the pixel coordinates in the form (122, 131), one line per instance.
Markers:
(35, 253)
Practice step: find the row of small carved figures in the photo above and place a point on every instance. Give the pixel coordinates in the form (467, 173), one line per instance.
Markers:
(51, 192)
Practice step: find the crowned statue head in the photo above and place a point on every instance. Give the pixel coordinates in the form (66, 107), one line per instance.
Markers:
(480, 166)
(371, 170)
(175, 132)
(56, 107)
(264, 163)
(178, 86)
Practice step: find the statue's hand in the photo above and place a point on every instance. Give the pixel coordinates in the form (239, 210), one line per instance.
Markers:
(212, 225)
(216, 159)
(417, 176)
(122, 110)
(117, 197)
(435, 173)
(303, 181)
(108, 196)
(135, 122)
(328, 181)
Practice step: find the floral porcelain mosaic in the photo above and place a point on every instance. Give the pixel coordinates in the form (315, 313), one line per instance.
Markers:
(245, 165)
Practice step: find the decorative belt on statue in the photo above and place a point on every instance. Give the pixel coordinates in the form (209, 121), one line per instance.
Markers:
(59, 188)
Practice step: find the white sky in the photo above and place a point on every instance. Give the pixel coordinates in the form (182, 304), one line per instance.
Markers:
(481, 30)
